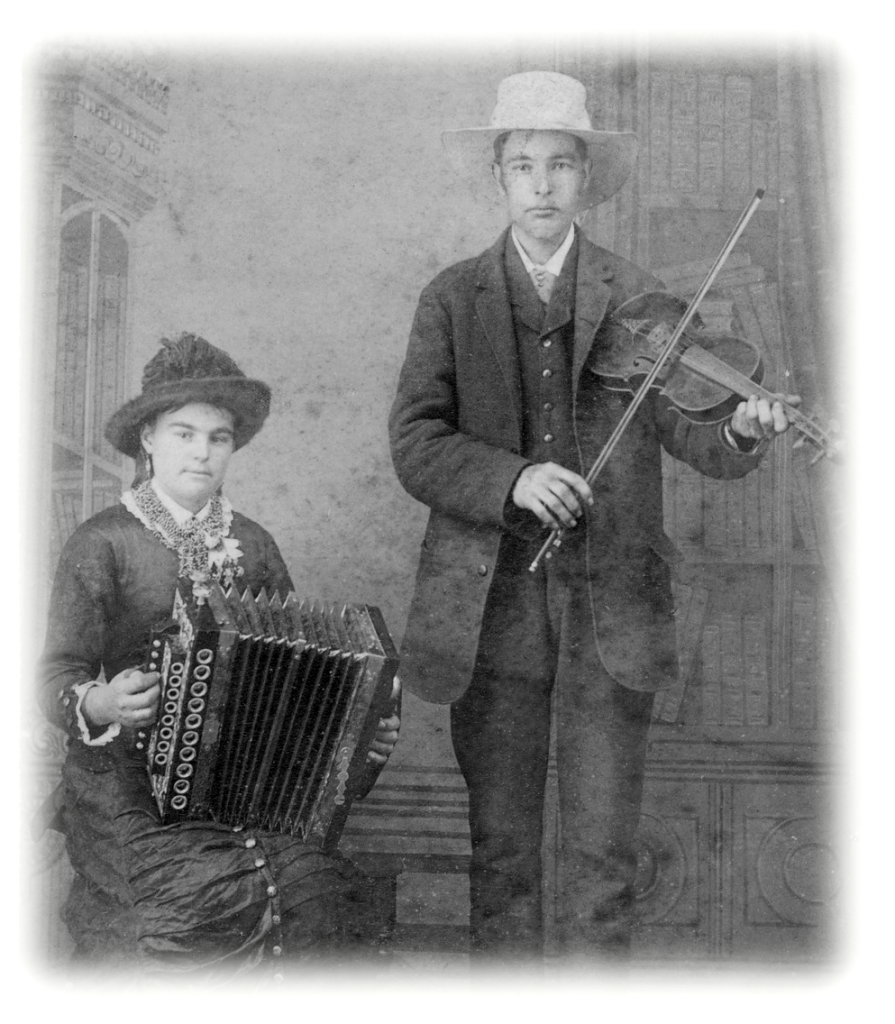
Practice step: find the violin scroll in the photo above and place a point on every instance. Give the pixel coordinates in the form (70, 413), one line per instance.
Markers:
(826, 440)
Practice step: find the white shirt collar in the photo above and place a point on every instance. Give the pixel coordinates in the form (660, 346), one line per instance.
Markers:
(181, 515)
(554, 264)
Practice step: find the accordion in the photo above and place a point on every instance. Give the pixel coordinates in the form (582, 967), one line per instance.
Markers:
(267, 711)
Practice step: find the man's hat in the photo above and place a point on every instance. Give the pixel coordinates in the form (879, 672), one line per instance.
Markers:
(548, 101)
(187, 370)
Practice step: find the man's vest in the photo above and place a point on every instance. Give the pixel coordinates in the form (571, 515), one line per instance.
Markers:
(544, 342)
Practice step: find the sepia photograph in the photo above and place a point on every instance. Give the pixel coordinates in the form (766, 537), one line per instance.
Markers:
(437, 505)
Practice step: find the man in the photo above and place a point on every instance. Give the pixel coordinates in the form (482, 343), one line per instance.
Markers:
(497, 419)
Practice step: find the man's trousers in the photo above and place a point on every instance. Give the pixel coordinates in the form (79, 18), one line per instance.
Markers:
(537, 637)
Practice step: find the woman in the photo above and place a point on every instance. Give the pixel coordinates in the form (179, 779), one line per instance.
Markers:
(194, 895)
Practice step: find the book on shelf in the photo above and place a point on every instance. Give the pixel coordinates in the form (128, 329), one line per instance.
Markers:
(827, 671)
(684, 146)
(659, 131)
(728, 277)
(711, 133)
(699, 268)
(735, 493)
(67, 512)
(773, 156)
(760, 154)
(803, 672)
(711, 675)
(756, 657)
(737, 133)
(714, 513)
(803, 505)
(733, 711)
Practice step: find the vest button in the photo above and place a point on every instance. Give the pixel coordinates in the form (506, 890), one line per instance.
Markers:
(548, 406)
(546, 343)
(547, 373)
(548, 438)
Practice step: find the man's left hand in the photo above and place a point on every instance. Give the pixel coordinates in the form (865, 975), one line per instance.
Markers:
(758, 418)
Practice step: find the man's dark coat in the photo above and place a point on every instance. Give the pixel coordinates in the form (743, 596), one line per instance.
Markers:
(455, 430)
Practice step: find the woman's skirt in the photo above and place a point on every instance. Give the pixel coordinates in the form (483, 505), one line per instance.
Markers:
(198, 896)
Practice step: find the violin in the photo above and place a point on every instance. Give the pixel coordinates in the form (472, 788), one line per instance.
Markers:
(640, 350)
(705, 377)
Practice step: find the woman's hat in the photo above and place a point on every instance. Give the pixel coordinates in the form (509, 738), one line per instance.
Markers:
(187, 370)
(544, 101)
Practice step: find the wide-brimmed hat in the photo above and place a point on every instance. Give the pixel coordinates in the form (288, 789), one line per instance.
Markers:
(186, 370)
(548, 101)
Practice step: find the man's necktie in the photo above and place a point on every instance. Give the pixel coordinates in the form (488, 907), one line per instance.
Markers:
(543, 281)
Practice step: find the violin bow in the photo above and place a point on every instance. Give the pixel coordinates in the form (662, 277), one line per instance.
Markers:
(554, 540)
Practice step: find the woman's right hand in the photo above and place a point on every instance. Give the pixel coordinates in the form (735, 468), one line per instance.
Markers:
(131, 699)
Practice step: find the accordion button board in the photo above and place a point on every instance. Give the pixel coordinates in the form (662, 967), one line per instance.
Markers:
(268, 707)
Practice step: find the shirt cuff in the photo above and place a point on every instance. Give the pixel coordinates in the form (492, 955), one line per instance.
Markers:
(743, 445)
(520, 520)
(92, 736)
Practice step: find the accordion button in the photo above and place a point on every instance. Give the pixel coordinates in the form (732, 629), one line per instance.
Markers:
(271, 890)
(483, 570)
(260, 862)
(276, 919)
(277, 951)
(140, 746)
(250, 843)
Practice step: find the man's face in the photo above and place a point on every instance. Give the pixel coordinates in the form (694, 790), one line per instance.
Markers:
(190, 449)
(542, 175)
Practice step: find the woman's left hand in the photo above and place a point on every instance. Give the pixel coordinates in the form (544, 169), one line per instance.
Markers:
(386, 737)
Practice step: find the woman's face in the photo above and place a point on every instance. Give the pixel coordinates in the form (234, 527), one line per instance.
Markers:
(190, 449)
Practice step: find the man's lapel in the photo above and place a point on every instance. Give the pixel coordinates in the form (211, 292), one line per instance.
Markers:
(591, 300)
(493, 309)
(496, 318)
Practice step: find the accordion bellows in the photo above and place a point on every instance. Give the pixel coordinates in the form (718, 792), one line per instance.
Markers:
(268, 707)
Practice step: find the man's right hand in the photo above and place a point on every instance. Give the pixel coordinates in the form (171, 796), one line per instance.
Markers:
(131, 699)
(556, 495)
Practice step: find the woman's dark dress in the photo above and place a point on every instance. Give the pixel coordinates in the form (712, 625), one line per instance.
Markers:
(191, 895)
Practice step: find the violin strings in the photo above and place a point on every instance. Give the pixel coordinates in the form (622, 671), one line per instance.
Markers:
(555, 537)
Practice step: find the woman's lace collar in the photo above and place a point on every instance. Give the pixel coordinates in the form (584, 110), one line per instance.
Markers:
(206, 551)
